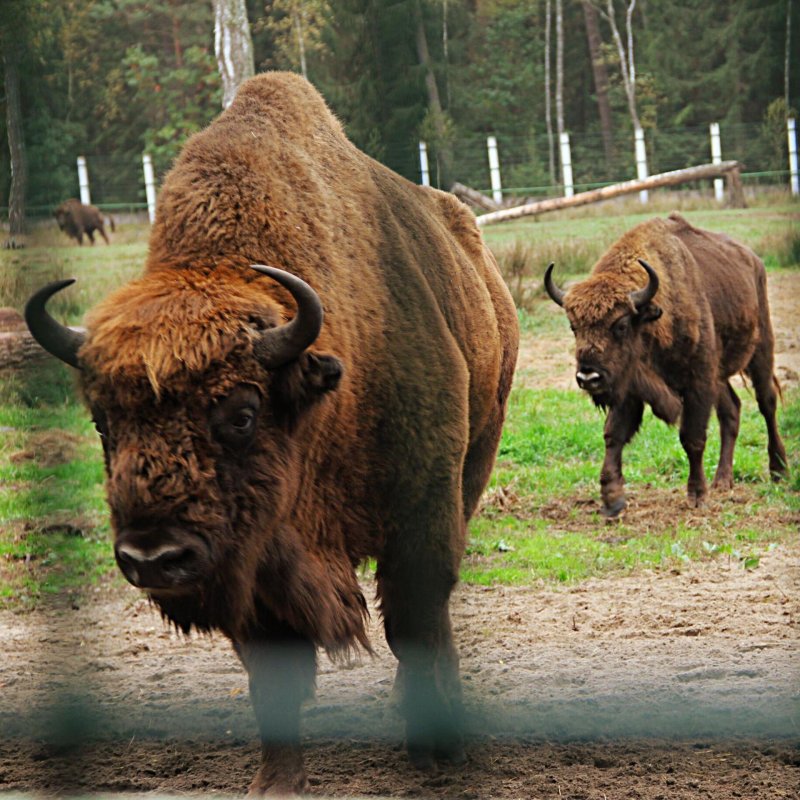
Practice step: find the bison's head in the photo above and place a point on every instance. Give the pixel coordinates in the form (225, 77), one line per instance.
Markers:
(607, 317)
(61, 217)
(196, 384)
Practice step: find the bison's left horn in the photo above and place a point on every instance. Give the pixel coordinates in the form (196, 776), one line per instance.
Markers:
(280, 345)
(57, 339)
(556, 294)
(641, 297)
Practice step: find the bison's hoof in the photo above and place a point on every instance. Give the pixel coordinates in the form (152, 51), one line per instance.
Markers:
(697, 500)
(422, 758)
(452, 754)
(274, 785)
(427, 758)
(613, 509)
(722, 484)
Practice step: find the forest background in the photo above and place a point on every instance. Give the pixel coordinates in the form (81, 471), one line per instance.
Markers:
(111, 79)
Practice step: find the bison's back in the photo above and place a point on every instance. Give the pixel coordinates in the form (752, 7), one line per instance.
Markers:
(415, 307)
(733, 280)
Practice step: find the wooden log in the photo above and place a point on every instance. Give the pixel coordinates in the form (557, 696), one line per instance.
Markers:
(17, 347)
(678, 176)
(735, 191)
(473, 197)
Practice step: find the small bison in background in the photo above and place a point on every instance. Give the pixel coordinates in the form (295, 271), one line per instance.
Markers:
(75, 219)
(257, 449)
(700, 317)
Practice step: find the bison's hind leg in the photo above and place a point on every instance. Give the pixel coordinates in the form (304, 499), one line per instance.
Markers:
(415, 606)
(728, 413)
(765, 384)
(102, 232)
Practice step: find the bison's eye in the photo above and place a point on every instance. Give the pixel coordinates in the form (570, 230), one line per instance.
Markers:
(234, 418)
(244, 421)
(621, 327)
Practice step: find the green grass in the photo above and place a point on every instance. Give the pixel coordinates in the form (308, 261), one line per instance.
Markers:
(540, 521)
(547, 524)
(54, 531)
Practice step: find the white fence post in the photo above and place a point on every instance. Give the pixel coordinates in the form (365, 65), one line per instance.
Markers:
(149, 186)
(83, 181)
(423, 164)
(566, 165)
(793, 177)
(641, 162)
(494, 170)
(716, 158)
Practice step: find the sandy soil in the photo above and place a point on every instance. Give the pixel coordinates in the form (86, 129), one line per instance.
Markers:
(658, 686)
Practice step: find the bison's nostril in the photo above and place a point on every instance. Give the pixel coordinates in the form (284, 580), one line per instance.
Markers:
(176, 560)
(588, 379)
(156, 568)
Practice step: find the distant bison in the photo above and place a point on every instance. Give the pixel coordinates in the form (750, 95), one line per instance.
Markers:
(669, 313)
(258, 450)
(75, 219)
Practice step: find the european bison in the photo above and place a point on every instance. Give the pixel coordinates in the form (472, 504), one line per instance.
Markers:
(75, 219)
(669, 313)
(256, 454)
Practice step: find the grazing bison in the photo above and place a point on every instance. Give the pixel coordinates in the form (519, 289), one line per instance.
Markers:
(75, 219)
(256, 453)
(669, 313)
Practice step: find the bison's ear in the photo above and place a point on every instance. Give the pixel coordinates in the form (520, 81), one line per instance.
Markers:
(301, 383)
(649, 313)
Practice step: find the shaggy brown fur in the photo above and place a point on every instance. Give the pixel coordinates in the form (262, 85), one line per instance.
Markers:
(377, 443)
(708, 321)
(75, 219)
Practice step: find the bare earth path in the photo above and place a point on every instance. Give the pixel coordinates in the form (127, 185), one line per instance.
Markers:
(666, 685)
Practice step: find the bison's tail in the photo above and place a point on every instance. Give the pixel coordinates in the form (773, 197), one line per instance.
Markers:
(777, 384)
(111, 222)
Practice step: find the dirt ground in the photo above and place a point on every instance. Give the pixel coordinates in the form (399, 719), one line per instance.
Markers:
(658, 686)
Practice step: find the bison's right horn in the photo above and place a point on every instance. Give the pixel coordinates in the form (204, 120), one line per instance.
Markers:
(556, 294)
(279, 346)
(641, 297)
(57, 339)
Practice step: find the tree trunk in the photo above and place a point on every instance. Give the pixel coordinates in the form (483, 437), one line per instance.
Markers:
(627, 63)
(560, 76)
(233, 46)
(16, 146)
(786, 94)
(548, 113)
(600, 80)
(297, 21)
(443, 150)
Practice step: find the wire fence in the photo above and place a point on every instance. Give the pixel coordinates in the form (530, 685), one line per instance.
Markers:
(116, 181)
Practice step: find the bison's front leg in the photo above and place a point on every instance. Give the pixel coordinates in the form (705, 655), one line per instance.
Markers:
(622, 422)
(697, 405)
(281, 673)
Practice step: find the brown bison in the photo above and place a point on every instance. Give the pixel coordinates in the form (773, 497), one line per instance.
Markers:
(257, 453)
(669, 313)
(75, 219)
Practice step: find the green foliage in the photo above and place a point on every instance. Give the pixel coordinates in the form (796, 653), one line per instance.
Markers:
(116, 77)
(176, 101)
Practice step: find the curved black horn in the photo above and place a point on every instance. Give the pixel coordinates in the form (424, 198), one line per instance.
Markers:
(556, 294)
(57, 339)
(641, 297)
(280, 345)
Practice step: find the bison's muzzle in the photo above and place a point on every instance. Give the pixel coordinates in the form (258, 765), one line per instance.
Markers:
(591, 379)
(149, 562)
